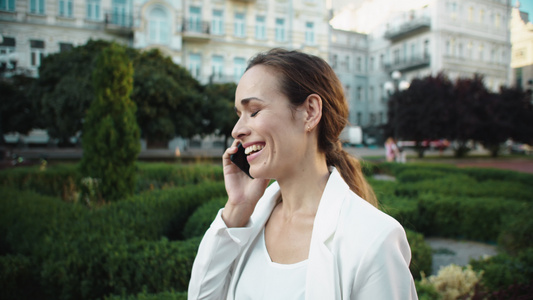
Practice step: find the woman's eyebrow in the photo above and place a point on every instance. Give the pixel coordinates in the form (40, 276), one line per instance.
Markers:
(246, 101)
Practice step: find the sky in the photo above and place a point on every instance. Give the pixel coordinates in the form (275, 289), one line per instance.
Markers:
(527, 6)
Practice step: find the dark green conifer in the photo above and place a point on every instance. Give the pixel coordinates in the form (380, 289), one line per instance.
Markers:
(110, 131)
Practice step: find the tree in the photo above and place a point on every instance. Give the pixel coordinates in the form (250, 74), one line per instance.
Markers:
(17, 107)
(110, 132)
(468, 113)
(421, 112)
(519, 112)
(65, 89)
(219, 110)
(167, 96)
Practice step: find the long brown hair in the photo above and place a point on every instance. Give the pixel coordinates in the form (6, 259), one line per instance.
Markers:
(303, 74)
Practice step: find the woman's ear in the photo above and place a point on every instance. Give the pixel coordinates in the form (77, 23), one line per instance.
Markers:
(313, 107)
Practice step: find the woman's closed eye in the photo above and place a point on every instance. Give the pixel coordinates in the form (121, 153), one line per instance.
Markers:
(255, 113)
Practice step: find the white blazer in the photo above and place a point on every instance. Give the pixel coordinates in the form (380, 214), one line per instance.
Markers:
(356, 251)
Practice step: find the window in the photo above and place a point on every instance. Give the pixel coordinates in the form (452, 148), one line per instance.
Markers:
(120, 13)
(482, 16)
(359, 118)
(334, 61)
(470, 14)
(239, 65)
(371, 93)
(64, 47)
(497, 20)
(93, 9)
(65, 8)
(158, 26)
(239, 23)
(36, 52)
(195, 19)
(359, 94)
(195, 65)
(7, 47)
(218, 67)
(481, 52)
(8, 5)
(37, 7)
(469, 48)
(309, 33)
(217, 24)
(381, 61)
(260, 28)
(347, 63)
(358, 63)
(426, 49)
(396, 54)
(280, 30)
(371, 65)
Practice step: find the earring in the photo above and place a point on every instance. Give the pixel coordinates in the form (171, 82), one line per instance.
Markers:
(308, 128)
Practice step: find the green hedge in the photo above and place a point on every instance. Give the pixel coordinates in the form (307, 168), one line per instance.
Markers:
(471, 203)
(146, 296)
(126, 246)
(64, 180)
(421, 255)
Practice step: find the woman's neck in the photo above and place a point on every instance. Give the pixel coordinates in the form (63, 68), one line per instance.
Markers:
(302, 190)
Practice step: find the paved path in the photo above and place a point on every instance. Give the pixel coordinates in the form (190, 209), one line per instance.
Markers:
(459, 252)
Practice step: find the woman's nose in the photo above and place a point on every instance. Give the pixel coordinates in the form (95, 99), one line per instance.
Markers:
(240, 130)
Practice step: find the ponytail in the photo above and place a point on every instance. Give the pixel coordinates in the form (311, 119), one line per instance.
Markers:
(351, 171)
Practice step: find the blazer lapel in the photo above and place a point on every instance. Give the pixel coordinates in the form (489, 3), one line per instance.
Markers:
(322, 280)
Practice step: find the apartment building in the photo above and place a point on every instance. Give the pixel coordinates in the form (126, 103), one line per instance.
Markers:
(458, 37)
(213, 39)
(522, 49)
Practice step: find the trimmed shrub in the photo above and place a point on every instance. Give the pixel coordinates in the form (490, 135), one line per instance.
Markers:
(61, 180)
(110, 132)
(503, 270)
(421, 256)
(517, 234)
(145, 296)
(19, 278)
(162, 175)
(202, 218)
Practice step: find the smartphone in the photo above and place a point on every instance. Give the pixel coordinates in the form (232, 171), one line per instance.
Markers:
(239, 159)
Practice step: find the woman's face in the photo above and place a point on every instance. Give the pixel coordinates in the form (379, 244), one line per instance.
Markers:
(272, 134)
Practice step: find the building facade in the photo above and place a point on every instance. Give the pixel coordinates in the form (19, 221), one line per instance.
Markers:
(213, 39)
(458, 37)
(522, 50)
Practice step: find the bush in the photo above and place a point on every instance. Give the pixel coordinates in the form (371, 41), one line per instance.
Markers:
(110, 132)
(200, 220)
(421, 255)
(19, 278)
(152, 176)
(503, 270)
(117, 248)
(454, 282)
(517, 234)
(145, 296)
(59, 181)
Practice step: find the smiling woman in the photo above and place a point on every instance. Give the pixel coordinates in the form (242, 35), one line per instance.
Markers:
(317, 226)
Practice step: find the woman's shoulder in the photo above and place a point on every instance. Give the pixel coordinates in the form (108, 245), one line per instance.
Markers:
(360, 217)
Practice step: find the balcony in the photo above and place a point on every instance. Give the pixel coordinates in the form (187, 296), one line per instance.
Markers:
(196, 31)
(119, 23)
(408, 28)
(417, 62)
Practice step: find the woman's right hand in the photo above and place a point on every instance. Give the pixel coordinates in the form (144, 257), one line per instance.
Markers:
(243, 191)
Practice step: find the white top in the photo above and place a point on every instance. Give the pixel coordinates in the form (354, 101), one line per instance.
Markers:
(263, 279)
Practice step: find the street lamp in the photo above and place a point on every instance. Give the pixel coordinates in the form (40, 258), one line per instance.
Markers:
(392, 87)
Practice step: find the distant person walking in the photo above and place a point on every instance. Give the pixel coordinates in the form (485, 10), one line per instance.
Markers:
(391, 149)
